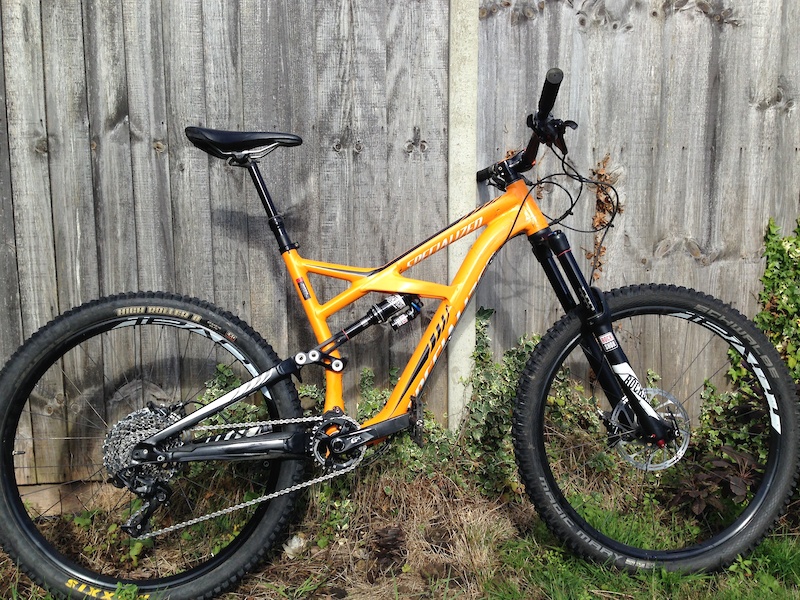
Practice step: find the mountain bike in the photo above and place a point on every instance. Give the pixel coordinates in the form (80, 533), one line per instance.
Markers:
(156, 440)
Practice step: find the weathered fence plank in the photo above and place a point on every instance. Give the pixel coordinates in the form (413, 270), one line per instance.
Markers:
(33, 220)
(186, 105)
(74, 225)
(111, 158)
(11, 333)
(147, 105)
(27, 141)
(70, 160)
(693, 103)
(227, 185)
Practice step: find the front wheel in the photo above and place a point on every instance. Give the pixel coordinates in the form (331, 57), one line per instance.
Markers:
(713, 491)
(75, 400)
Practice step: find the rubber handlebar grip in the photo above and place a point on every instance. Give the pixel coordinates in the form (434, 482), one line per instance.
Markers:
(485, 174)
(552, 82)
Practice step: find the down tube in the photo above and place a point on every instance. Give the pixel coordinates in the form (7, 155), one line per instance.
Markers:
(444, 320)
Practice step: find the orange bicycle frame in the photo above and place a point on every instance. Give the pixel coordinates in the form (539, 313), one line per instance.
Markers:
(513, 213)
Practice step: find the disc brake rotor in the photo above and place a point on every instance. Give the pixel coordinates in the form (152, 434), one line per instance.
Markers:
(646, 456)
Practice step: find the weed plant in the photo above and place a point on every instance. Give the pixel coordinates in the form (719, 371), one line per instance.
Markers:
(779, 317)
(449, 520)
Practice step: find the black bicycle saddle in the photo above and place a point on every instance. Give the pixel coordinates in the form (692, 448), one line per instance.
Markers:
(239, 145)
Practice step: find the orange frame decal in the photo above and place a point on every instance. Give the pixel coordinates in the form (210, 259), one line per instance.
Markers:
(511, 214)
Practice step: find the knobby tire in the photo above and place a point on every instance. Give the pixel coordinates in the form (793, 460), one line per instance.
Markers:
(703, 499)
(66, 388)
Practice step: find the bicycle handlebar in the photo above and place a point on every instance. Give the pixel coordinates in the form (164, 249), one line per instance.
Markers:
(537, 122)
(552, 82)
(485, 174)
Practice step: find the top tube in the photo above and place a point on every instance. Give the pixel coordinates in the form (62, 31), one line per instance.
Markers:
(513, 213)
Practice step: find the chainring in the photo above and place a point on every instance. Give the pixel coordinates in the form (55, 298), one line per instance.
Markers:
(334, 423)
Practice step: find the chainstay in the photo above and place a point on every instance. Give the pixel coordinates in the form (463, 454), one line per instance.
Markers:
(266, 497)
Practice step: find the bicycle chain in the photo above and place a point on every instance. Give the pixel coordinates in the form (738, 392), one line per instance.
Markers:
(251, 424)
(264, 498)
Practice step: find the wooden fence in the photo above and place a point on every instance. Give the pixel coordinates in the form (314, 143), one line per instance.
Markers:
(695, 105)
(689, 104)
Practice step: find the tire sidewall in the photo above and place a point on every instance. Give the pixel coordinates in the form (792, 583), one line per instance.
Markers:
(38, 350)
(531, 457)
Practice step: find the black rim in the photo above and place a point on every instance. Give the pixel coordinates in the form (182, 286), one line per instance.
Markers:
(732, 530)
(24, 522)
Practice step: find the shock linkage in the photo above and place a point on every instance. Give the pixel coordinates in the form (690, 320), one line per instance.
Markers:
(397, 310)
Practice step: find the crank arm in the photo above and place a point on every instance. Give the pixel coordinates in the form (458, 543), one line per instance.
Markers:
(267, 446)
(346, 442)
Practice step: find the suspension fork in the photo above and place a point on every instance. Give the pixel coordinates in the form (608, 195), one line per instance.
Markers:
(598, 341)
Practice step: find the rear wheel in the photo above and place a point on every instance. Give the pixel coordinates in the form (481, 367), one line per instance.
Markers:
(78, 396)
(709, 494)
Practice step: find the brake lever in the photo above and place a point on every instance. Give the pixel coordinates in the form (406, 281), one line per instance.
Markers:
(548, 131)
(562, 127)
(551, 131)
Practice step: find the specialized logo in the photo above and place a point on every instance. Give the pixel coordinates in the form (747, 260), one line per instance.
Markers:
(457, 235)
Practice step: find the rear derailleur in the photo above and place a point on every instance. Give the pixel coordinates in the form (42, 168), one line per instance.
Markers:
(153, 493)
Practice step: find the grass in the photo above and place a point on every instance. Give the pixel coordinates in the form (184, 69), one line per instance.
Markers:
(445, 522)
(387, 533)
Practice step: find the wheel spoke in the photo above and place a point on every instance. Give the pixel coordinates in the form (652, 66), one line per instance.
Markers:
(676, 505)
(94, 401)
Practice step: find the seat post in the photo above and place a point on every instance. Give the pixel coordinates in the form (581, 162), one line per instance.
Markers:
(275, 220)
